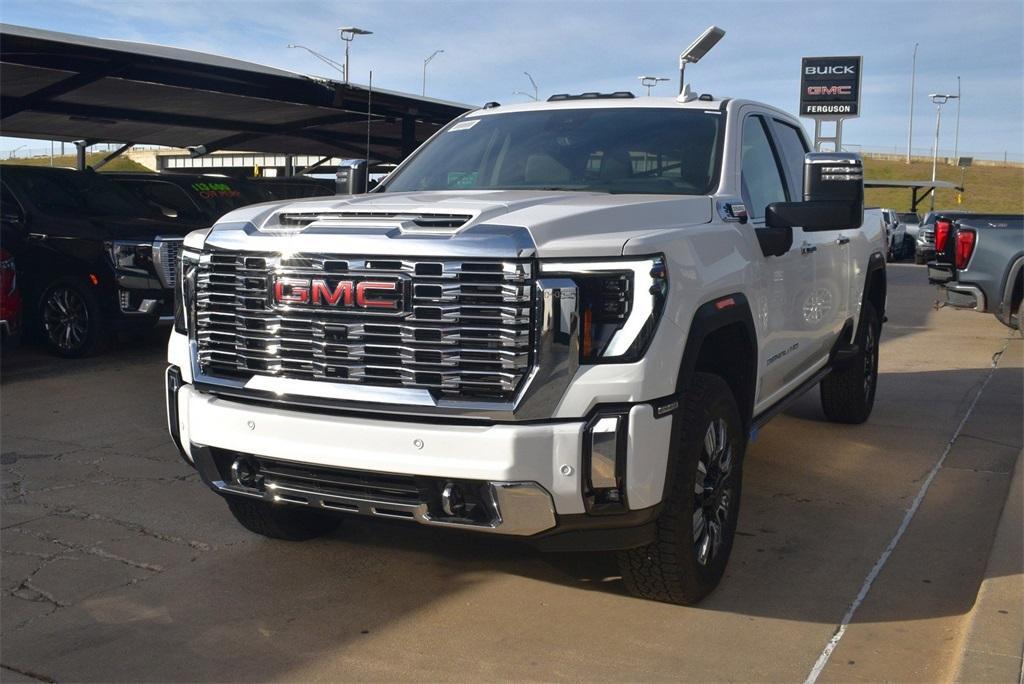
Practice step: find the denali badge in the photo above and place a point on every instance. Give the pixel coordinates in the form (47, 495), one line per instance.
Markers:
(374, 295)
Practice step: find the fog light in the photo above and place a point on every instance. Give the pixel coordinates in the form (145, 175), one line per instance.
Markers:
(605, 463)
(453, 501)
(245, 472)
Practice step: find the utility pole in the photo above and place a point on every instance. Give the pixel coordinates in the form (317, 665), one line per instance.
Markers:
(956, 136)
(910, 120)
(425, 63)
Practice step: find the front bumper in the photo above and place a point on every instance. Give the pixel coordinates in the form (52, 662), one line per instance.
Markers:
(531, 475)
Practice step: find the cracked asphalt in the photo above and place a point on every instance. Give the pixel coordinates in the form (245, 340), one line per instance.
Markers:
(118, 565)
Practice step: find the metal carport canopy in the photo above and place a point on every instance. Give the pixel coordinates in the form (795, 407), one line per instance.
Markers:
(58, 86)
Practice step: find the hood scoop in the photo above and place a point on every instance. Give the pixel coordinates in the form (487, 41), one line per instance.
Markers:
(406, 221)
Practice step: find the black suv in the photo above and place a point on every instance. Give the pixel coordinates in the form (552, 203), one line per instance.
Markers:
(191, 198)
(92, 259)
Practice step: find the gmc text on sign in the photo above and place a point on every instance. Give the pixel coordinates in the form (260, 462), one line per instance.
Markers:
(830, 87)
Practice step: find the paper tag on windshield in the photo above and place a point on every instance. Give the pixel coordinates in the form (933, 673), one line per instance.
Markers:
(464, 125)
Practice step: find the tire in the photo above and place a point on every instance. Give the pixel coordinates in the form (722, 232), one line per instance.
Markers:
(848, 394)
(686, 562)
(919, 258)
(70, 321)
(290, 523)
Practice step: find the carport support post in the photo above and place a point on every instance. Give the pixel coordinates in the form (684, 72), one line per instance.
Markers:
(80, 147)
(408, 135)
(289, 165)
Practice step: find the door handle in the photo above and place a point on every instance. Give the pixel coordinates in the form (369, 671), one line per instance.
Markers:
(842, 240)
(808, 248)
(37, 236)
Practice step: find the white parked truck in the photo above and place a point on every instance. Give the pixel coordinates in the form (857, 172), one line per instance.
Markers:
(555, 321)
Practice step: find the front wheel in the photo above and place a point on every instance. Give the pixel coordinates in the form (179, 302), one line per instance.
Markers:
(697, 525)
(70, 319)
(848, 394)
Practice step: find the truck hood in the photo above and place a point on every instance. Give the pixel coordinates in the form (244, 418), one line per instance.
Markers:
(479, 222)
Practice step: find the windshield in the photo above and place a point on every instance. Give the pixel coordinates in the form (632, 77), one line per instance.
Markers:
(65, 192)
(910, 218)
(620, 150)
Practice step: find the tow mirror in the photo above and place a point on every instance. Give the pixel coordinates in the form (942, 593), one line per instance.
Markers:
(833, 195)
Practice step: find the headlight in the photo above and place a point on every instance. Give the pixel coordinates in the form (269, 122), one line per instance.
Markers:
(128, 254)
(185, 292)
(621, 301)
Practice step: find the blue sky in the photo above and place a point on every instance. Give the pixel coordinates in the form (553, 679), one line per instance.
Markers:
(580, 46)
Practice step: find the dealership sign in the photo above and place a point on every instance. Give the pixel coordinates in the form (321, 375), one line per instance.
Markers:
(830, 87)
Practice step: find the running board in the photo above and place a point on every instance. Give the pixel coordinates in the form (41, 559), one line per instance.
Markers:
(761, 419)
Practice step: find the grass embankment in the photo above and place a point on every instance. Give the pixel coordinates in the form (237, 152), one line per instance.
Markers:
(68, 161)
(989, 189)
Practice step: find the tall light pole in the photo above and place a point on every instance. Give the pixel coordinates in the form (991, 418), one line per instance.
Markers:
(939, 99)
(323, 58)
(910, 120)
(650, 82)
(533, 83)
(956, 136)
(425, 63)
(348, 34)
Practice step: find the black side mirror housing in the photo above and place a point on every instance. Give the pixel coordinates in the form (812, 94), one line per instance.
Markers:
(833, 195)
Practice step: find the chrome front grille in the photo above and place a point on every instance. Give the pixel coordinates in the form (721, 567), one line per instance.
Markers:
(166, 252)
(465, 330)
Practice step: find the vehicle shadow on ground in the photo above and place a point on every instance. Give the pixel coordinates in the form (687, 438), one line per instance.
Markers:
(812, 523)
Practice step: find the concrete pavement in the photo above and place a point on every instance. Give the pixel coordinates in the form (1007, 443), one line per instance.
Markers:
(118, 565)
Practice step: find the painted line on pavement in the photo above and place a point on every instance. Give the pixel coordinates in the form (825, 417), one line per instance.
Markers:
(822, 661)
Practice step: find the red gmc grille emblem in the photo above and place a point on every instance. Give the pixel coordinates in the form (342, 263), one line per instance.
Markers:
(374, 295)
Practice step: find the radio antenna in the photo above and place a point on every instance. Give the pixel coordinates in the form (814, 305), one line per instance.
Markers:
(369, 106)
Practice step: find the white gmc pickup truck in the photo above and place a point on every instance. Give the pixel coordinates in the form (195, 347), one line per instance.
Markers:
(556, 321)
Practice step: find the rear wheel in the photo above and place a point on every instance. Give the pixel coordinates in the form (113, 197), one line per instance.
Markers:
(697, 525)
(848, 394)
(291, 523)
(70, 320)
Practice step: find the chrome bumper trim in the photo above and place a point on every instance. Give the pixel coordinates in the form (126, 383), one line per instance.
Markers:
(519, 508)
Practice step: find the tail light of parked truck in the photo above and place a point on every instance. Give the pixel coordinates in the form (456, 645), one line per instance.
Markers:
(964, 247)
(942, 230)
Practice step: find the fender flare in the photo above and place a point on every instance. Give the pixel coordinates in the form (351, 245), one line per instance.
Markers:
(709, 317)
(876, 262)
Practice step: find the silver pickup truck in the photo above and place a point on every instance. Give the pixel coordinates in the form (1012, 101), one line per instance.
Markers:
(979, 264)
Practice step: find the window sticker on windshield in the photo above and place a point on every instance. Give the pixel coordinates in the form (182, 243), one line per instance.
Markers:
(215, 190)
(464, 125)
(460, 180)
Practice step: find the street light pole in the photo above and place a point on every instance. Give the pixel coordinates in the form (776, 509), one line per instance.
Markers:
(425, 63)
(956, 136)
(348, 34)
(326, 60)
(939, 99)
(650, 82)
(534, 84)
(910, 121)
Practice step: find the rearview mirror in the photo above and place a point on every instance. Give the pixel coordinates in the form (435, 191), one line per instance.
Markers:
(833, 195)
